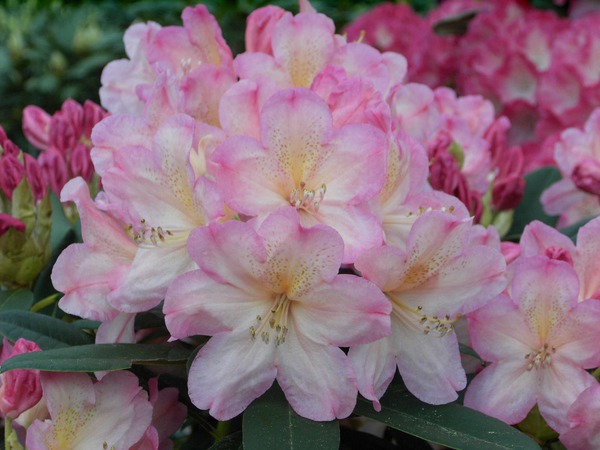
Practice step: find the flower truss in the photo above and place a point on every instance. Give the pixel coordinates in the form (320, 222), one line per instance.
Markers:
(317, 218)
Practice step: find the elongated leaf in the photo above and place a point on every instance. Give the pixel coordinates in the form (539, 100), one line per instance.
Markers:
(45, 331)
(231, 442)
(452, 425)
(530, 208)
(98, 357)
(270, 422)
(19, 300)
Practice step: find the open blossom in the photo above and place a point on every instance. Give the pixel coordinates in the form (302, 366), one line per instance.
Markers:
(327, 175)
(439, 276)
(539, 340)
(277, 309)
(303, 45)
(19, 389)
(195, 57)
(113, 413)
(577, 154)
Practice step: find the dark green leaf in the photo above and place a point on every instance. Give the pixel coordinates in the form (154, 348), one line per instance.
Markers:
(452, 425)
(270, 422)
(530, 208)
(45, 331)
(97, 357)
(20, 300)
(230, 442)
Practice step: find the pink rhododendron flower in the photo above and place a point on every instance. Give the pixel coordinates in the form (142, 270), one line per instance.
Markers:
(303, 45)
(277, 309)
(194, 56)
(19, 389)
(327, 175)
(539, 340)
(113, 413)
(577, 195)
(87, 273)
(437, 277)
(167, 412)
(156, 189)
(584, 421)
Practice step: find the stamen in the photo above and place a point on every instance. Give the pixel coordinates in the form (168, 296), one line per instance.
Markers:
(428, 323)
(307, 199)
(276, 319)
(540, 359)
(151, 236)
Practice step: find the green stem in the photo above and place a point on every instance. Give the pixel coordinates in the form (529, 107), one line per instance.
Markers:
(44, 302)
(11, 442)
(222, 430)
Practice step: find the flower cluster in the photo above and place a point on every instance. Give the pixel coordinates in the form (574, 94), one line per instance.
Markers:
(302, 214)
(539, 70)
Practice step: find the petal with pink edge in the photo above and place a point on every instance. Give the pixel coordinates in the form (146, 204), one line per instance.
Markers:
(505, 390)
(300, 362)
(229, 372)
(197, 304)
(347, 311)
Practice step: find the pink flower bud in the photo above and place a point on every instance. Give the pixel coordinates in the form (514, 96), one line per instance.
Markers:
(11, 173)
(35, 177)
(21, 389)
(36, 126)
(586, 176)
(259, 28)
(80, 163)
(7, 222)
(507, 192)
(54, 168)
(92, 114)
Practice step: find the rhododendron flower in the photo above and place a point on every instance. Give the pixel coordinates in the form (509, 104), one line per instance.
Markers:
(438, 276)
(19, 389)
(305, 44)
(577, 153)
(153, 185)
(584, 421)
(113, 413)
(539, 341)
(327, 175)
(195, 56)
(277, 309)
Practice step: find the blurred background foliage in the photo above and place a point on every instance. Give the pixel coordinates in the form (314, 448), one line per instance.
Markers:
(52, 50)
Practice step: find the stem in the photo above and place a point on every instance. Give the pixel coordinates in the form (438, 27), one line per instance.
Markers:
(11, 442)
(222, 430)
(44, 302)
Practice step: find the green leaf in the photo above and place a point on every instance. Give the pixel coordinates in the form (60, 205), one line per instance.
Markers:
(530, 208)
(21, 299)
(97, 357)
(455, 25)
(230, 442)
(45, 331)
(270, 422)
(452, 425)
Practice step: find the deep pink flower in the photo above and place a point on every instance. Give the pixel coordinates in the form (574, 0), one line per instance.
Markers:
(19, 389)
(277, 309)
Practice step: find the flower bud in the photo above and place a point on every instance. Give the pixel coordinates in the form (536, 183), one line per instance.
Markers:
(20, 389)
(11, 173)
(36, 127)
